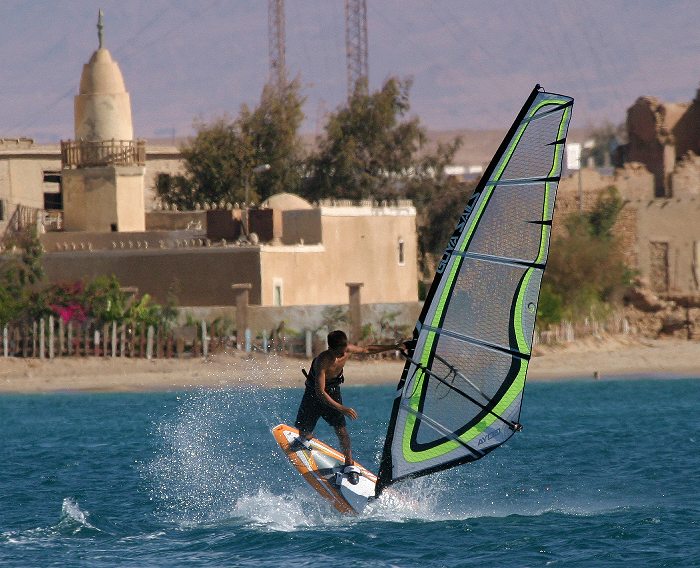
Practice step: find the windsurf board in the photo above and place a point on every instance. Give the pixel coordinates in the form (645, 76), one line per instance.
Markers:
(319, 466)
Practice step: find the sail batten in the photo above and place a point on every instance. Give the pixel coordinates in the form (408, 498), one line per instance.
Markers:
(545, 114)
(476, 342)
(522, 181)
(474, 333)
(500, 259)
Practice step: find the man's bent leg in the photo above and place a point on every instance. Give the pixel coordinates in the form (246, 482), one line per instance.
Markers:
(345, 446)
(307, 416)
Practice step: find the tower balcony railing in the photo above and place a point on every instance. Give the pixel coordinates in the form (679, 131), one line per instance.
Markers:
(84, 154)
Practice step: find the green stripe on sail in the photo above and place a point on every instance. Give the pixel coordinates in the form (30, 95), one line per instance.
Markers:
(518, 383)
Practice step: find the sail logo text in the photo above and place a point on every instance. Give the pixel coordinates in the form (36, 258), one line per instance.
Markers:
(458, 232)
(489, 436)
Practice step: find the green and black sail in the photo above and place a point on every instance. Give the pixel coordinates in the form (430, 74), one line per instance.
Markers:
(461, 390)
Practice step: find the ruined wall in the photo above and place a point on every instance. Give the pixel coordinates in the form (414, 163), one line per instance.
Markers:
(668, 246)
(635, 185)
(685, 179)
(686, 131)
(633, 182)
(660, 236)
(650, 128)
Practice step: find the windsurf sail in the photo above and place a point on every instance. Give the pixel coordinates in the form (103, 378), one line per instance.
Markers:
(461, 390)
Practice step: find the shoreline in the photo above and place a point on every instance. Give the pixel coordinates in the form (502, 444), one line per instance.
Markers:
(609, 357)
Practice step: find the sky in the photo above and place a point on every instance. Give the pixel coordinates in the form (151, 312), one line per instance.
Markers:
(472, 62)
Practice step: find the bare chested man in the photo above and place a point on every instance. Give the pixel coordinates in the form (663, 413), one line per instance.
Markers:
(322, 398)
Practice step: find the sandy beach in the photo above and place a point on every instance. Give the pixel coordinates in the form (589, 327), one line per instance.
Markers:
(610, 358)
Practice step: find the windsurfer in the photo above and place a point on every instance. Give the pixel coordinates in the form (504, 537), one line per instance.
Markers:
(322, 397)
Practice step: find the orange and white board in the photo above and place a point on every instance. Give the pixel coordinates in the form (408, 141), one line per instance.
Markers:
(319, 467)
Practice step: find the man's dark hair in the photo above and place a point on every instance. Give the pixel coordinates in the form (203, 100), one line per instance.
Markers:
(337, 339)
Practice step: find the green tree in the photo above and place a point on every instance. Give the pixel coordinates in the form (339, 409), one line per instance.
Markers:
(371, 149)
(604, 215)
(586, 268)
(273, 131)
(440, 206)
(220, 161)
(20, 275)
(366, 147)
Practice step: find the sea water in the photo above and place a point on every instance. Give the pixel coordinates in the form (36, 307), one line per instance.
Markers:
(605, 473)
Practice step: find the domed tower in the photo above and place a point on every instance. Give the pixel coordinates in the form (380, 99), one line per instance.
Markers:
(103, 168)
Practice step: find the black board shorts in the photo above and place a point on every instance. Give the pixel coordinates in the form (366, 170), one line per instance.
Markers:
(311, 409)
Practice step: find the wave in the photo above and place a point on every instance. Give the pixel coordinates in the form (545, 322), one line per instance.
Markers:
(216, 462)
(72, 522)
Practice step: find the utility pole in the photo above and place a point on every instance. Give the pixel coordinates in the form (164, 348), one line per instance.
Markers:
(276, 43)
(356, 50)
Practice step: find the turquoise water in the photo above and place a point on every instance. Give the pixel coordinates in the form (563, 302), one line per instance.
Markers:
(604, 474)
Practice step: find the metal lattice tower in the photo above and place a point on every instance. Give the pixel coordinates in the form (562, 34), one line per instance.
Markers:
(276, 42)
(356, 44)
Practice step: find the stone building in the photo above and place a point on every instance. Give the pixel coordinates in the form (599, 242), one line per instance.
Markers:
(93, 201)
(660, 183)
(102, 170)
(664, 136)
(306, 255)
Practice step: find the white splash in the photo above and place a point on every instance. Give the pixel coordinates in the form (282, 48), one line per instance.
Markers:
(73, 517)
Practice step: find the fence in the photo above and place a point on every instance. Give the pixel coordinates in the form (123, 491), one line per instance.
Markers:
(49, 338)
(568, 332)
(84, 154)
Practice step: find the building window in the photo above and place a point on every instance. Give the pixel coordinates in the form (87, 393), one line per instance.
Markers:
(277, 296)
(402, 252)
(53, 195)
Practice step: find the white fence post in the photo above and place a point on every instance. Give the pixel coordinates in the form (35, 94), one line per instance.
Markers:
(149, 344)
(309, 347)
(51, 337)
(42, 341)
(205, 344)
(70, 338)
(248, 340)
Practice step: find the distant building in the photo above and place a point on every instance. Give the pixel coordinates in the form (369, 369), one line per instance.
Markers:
(660, 183)
(93, 202)
(665, 137)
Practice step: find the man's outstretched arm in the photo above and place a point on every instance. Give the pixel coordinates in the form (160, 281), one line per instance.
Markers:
(372, 349)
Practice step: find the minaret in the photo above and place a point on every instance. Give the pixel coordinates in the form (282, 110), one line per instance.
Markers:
(103, 168)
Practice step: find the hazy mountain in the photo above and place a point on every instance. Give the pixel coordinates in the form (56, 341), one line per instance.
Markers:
(472, 62)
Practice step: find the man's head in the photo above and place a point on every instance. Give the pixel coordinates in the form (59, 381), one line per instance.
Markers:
(337, 342)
